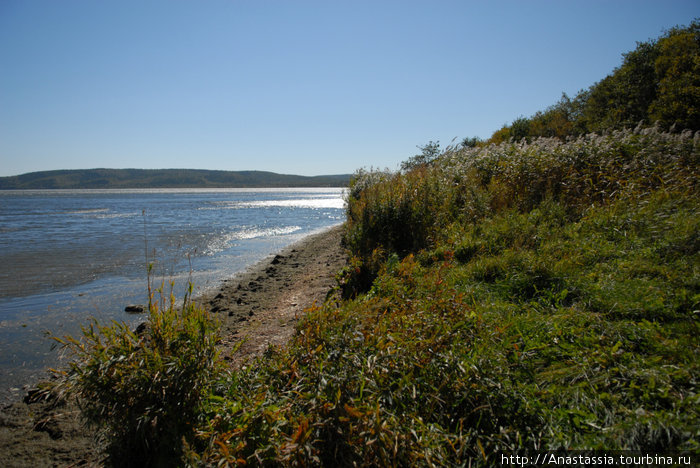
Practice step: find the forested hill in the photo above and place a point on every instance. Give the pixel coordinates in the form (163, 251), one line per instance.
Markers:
(164, 178)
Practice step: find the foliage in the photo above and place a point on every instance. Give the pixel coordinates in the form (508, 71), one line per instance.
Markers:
(546, 298)
(407, 212)
(144, 392)
(428, 154)
(561, 120)
(362, 179)
(471, 142)
(678, 69)
(658, 82)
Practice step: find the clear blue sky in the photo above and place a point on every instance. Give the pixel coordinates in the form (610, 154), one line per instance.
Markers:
(294, 87)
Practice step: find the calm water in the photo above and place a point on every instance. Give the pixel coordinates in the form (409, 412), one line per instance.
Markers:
(72, 254)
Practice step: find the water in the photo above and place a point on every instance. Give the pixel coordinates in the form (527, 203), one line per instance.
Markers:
(67, 255)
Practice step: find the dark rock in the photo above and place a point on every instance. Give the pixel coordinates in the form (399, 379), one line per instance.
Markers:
(141, 329)
(277, 259)
(51, 427)
(134, 309)
(35, 394)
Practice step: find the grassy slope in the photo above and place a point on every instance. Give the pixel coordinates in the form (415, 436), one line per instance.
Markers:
(512, 297)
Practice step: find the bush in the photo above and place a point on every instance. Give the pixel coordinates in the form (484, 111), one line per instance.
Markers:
(144, 392)
(407, 212)
(517, 297)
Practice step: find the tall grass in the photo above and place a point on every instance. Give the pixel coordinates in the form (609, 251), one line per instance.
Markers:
(407, 212)
(144, 392)
(501, 299)
(507, 298)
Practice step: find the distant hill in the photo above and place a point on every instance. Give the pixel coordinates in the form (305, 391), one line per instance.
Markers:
(164, 178)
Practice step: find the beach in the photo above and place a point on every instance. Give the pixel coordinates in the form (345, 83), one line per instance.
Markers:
(258, 307)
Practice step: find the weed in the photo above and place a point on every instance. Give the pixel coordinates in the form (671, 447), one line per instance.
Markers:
(144, 392)
(503, 298)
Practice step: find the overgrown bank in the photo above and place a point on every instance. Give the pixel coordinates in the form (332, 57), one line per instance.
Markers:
(528, 294)
(502, 299)
(507, 298)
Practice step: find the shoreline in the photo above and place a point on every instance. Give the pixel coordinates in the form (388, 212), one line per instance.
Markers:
(259, 305)
(265, 300)
(25, 344)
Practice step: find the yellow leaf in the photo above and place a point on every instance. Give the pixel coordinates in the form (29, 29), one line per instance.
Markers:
(478, 442)
(352, 411)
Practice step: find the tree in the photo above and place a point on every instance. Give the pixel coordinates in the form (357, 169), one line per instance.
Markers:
(557, 121)
(470, 142)
(520, 128)
(500, 135)
(428, 154)
(622, 99)
(678, 70)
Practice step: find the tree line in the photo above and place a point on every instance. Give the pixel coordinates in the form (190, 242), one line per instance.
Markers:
(658, 83)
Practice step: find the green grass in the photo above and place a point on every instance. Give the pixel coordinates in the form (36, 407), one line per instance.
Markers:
(505, 298)
(144, 393)
(496, 303)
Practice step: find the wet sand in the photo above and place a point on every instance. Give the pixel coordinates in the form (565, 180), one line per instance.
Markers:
(259, 306)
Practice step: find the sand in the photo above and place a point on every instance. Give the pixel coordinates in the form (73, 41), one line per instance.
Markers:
(259, 306)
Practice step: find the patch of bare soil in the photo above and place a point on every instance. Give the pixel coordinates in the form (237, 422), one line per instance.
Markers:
(259, 307)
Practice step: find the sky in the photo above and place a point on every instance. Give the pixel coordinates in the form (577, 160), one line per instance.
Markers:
(293, 87)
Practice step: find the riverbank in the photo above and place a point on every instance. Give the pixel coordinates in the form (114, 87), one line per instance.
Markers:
(506, 299)
(259, 306)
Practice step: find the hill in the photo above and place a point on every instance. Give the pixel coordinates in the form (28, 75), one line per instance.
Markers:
(164, 178)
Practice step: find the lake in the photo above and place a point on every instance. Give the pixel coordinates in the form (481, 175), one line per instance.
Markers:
(68, 255)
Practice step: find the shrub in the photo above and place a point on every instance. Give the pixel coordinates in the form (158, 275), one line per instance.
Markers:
(144, 392)
(517, 297)
(407, 212)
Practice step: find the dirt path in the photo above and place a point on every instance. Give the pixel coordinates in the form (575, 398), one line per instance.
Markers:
(259, 306)
(262, 305)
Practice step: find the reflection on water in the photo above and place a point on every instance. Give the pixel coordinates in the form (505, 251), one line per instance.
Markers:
(71, 254)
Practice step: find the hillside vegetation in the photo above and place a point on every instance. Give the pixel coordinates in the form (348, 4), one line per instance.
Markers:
(519, 296)
(657, 83)
(531, 294)
(163, 178)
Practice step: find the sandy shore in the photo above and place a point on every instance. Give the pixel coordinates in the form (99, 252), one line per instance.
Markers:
(259, 306)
